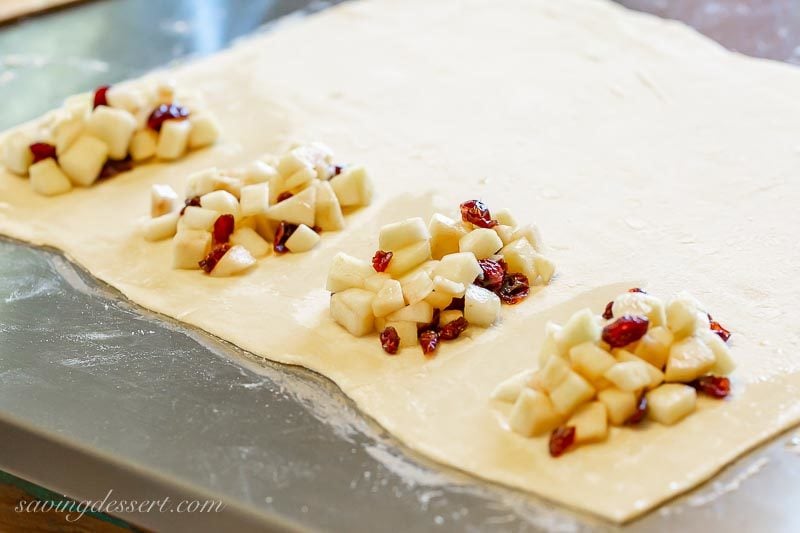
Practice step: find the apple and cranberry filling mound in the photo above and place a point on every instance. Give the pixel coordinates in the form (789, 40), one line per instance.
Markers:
(640, 359)
(229, 219)
(427, 283)
(98, 135)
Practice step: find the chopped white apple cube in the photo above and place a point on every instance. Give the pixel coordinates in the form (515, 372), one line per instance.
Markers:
(590, 422)
(48, 179)
(388, 299)
(143, 144)
(201, 182)
(530, 233)
(449, 315)
(533, 414)
(439, 299)
(163, 200)
(198, 218)
(114, 127)
(459, 267)
(258, 172)
(670, 403)
(127, 98)
(298, 209)
(353, 187)
(656, 375)
(161, 227)
(251, 241)
(724, 363)
(520, 255)
(629, 375)
(347, 272)
(684, 316)
(84, 160)
(222, 202)
(400, 234)
(445, 235)
(510, 389)
(408, 258)
(590, 360)
(407, 331)
(550, 343)
(189, 248)
(572, 392)
(237, 259)
(420, 312)
(689, 359)
(173, 139)
(375, 282)
(545, 267)
(581, 327)
(254, 199)
(481, 306)
(302, 240)
(328, 215)
(620, 404)
(505, 233)
(300, 179)
(482, 242)
(416, 286)
(204, 131)
(447, 286)
(654, 346)
(352, 309)
(17, 156)
(640, 304)
(505, 218)
(552, 373)
(66, 131)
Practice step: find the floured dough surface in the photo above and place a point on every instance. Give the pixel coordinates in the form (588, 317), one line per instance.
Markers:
(647, 154)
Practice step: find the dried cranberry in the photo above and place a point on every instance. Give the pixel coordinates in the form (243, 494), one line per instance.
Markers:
(493, 274)
(100, 95)
(429, 340)
(453, 329)
(561, 439)
(282, 235)
(637, 289)
(719, 329)
(213, 257)
(475, 212)
(317, 229)
(337, 169)
(42, 151)
(514, 289)
(390, 340)
(456, 304)
(381, 260)
(285, 195)
(640, 413)
(714, 386)
(625, 330)
(223, 227)
(166, 112)
(608, 314)
(433, 325)
(194, 201)
(112, 167)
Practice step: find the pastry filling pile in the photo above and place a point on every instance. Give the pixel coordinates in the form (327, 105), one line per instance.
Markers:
(640, 359)
(98, 135)
(231, 218)
(428, 283)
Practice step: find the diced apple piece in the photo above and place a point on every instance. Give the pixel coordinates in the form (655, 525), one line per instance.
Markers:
(670, 403)
(459, 267)
(353, 187)
(352, 309)
(590, 422)
(581, 327)
(505, 218)
(409, 257)
(204, 131)
(66, 131)
(299, 209)
(620, 404)
(198, 218)
(724, 363)
(640, 304)
(189, 248)
(416, 286)
(143, 145)
(328, 214)
(688, 360)
(552, 373)
(510, 389)
(388, 299)
(228, 184)
(127, 98)
(375, 282)
(301, 179)
(254, 199)
(347, 272)
(222, 202)
(448, 286)
(482, 242)
(251, 241)
(629, 375)
(445, 235)
(447, 316)
(545, 267)
(481, 306)
(684, 316)
(407, 331)
(161, 227)
(201, 182)
(530, 233)
(48, 179)
(654, 346)
(114, 127)
(590, 360)
(302, 240)
(163, 200)
(173, 139)
(84, 160)
(17, 156)
(237, 259)
(401, 234)
(550, 343)
(533, 414)
(572, 392)
(656, 375)
(438, 299)
(505, 233)
(520, 255)
(420, 312)
(258, 172)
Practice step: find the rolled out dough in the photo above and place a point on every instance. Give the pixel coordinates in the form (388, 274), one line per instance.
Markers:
(647, 154)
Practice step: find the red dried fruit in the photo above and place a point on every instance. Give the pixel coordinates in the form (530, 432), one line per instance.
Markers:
(381, 260)
(433, 325)
(714, 386)
(640, 413)
(317, 229)
(475, 212)
(719, 329)
(514, 289)
(285, 195)
(456, 304)
(42, 151)
(213, 257)
(100, 95)
(625, 330)
(113, 167)
(561, 439)
(223, 227)
(429, 340)
(390, 340)
(493, 274)
(166, 112)
(453, 329)
(194, 201)
(282, 234)
(337, 169)
(608, 314)
(637, 289)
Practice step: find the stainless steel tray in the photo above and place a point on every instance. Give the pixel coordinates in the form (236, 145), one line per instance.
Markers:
(97, 394)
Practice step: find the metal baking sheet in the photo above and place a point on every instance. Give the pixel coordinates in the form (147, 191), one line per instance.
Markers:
(98, 394)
